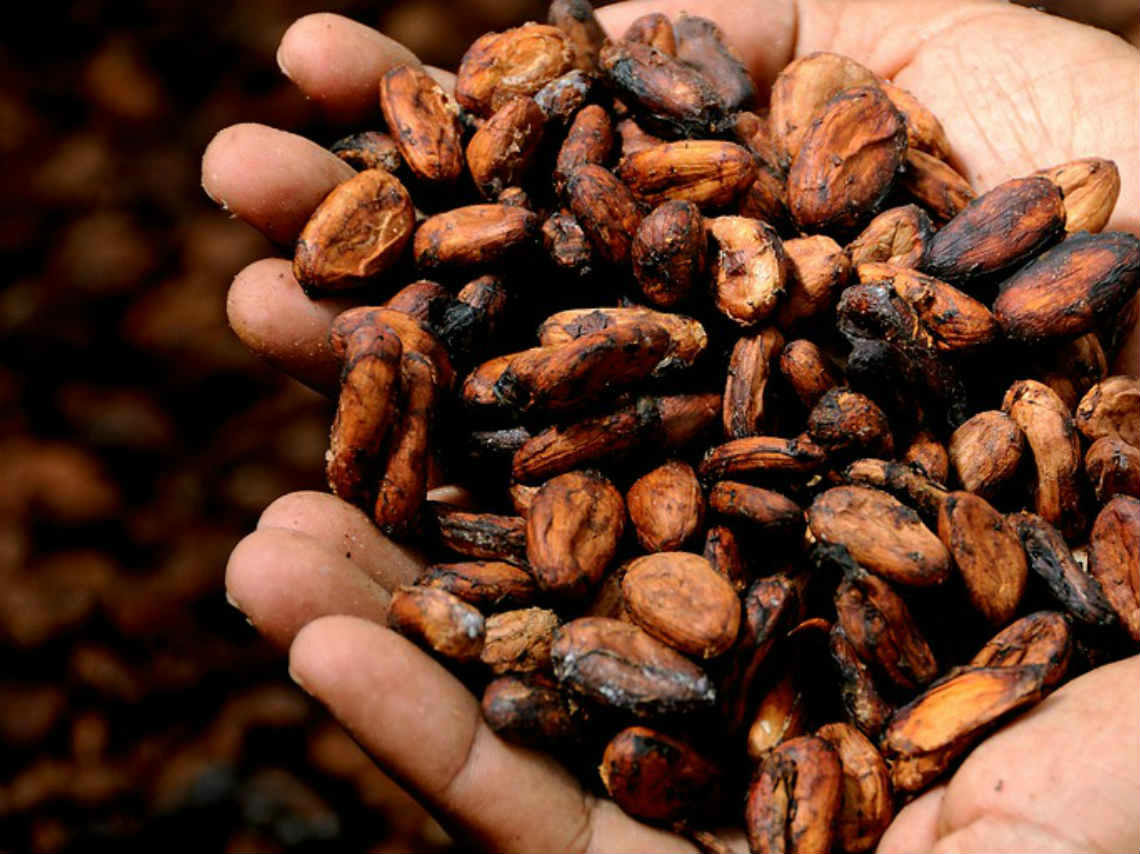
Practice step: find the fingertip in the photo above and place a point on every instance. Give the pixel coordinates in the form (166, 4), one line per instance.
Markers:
(916, 826)
(269, 178)
(274, 318)
(346, 530)
(338, 62)
(282, 580)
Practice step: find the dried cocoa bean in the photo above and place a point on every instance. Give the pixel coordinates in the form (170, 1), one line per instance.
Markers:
(502, 151)
(666, 506)
(925, 736)
(1053, 439)
(1113, 468)
(1070, 288)
(567, 245)
(533, 710)
(794, 799)
(403, 484)
(898, 236)
(564, 96)
(473, 236)
(818, 271)
(804, 87)
(864, 707)
(723, 553)
(519, 641)
(847, 161)
(481, 535)
(923, 130)
(846, 423)
(668, 252)
(423, 300)
(424, 121)
(807, 371)
(668, 96)
(370, 149)
(1114, 559)
(935, 185)
(879, 626)
(997, 231)
(680, 599)
(687, 337)
(987, 552)
(566, 376)
(707, 172)
(752, 363)
(588, 141)
(355, 234)
(1041, 638)
(702, 44)
(434, 618)
(656, 777)
(956, 320)
(653, 29)
(671, 421)
(886, 537)
(577, 20)
(875, 315)
(930, 455)
(781, 715)
(1072, 586)
(749, 268)
(606, 210)
(619, 665)
(486, 584)
(866, 807)
(986, 452)
(770, 512)
(1111, 408)
(1089, 187)
(519, 61)
(366, 409)
(763, 455)
(572, 532)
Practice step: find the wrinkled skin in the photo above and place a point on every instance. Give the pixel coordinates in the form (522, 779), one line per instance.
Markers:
(978, 66)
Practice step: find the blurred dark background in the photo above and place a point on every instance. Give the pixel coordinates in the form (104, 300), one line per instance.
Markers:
(139, 441)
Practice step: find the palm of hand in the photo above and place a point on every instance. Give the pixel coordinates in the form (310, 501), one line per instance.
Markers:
(1015, 90)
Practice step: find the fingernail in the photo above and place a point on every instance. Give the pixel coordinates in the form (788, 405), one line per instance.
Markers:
(281, 61)
(219, 202)
(293, 675)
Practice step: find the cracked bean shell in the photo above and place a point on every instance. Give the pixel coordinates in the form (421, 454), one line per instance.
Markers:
(357, 232)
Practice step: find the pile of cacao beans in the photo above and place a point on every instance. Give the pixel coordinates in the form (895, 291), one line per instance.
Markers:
(789, 464)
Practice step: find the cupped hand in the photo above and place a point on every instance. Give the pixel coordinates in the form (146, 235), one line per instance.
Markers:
(1016, 90)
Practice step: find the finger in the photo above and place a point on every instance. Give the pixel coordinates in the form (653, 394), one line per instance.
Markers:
(446, 79)
(271, 179)
(282, 580)
(338, 63)
(915, 826)
(997, 834)
(425, 729)
(1006, 117)
(343, 529)
(274, 318)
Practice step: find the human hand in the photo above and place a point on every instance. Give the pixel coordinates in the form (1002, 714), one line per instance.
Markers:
(1016, 91)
